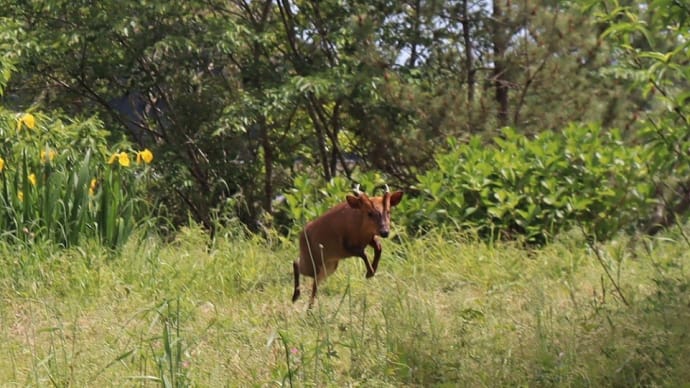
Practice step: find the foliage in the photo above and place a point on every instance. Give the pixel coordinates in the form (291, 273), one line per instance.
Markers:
(233, 95)
(580, 177)
(56, 183)
(243, 101)
(652, 51)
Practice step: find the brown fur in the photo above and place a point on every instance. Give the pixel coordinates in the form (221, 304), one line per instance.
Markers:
(343, 231)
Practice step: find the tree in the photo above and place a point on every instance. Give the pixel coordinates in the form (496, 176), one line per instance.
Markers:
(651, 58)
(237, 97)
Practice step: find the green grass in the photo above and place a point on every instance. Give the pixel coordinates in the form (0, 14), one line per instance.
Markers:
(441, 311)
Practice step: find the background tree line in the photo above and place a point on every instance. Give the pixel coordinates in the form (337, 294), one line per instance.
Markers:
(237, 98)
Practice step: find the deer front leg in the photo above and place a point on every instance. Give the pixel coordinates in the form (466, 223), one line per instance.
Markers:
(370, 270)
(376, 244)
(356, 251)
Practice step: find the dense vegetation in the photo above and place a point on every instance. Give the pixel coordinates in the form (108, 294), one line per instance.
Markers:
(238, 100)
(168, 152)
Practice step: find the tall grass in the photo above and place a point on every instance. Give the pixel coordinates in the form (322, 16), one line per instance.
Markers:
(441, 311)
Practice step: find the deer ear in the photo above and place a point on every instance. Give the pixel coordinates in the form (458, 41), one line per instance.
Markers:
(354, 202)
(396, 197)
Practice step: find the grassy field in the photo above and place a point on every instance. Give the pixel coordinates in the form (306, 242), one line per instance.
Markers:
(441, 311)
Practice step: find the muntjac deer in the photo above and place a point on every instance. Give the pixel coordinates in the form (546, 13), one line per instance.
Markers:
(344, 231)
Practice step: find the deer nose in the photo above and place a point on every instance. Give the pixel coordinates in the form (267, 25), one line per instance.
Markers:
(384, 233)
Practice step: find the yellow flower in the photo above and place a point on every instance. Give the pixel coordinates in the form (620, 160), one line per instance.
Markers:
(2, 164)
(51, 155)
(93, 186)
(145, 156)
(122, 158)
(20, 195)
(28, 120)
(32, 179)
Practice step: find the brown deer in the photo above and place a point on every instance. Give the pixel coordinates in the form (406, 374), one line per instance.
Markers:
(344, 231)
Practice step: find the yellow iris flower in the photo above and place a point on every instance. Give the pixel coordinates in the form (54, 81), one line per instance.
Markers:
(51, 155)
(93, 186)
(122, 158)
(2, 164)
(27, 120)
(32, 179)
(145, 156)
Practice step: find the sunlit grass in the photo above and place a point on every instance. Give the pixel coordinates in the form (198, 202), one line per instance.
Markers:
(440, 311)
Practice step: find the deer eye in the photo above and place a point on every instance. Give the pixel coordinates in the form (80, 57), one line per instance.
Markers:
(372, 214)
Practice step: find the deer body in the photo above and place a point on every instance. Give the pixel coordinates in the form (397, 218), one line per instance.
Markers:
(343, 231)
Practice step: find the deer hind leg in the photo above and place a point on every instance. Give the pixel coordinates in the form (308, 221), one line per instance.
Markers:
(296, 294)
(318, 278)
(313, 294)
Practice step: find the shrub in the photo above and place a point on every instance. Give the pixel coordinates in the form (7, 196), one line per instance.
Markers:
(518, 187)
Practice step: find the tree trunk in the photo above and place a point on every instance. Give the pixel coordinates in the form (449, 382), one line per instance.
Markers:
(468, 50)
(268, 166)
(416, 26)
(500, 69)
(320, 130)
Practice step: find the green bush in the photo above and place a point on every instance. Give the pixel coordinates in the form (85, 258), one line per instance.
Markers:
(532, 188)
